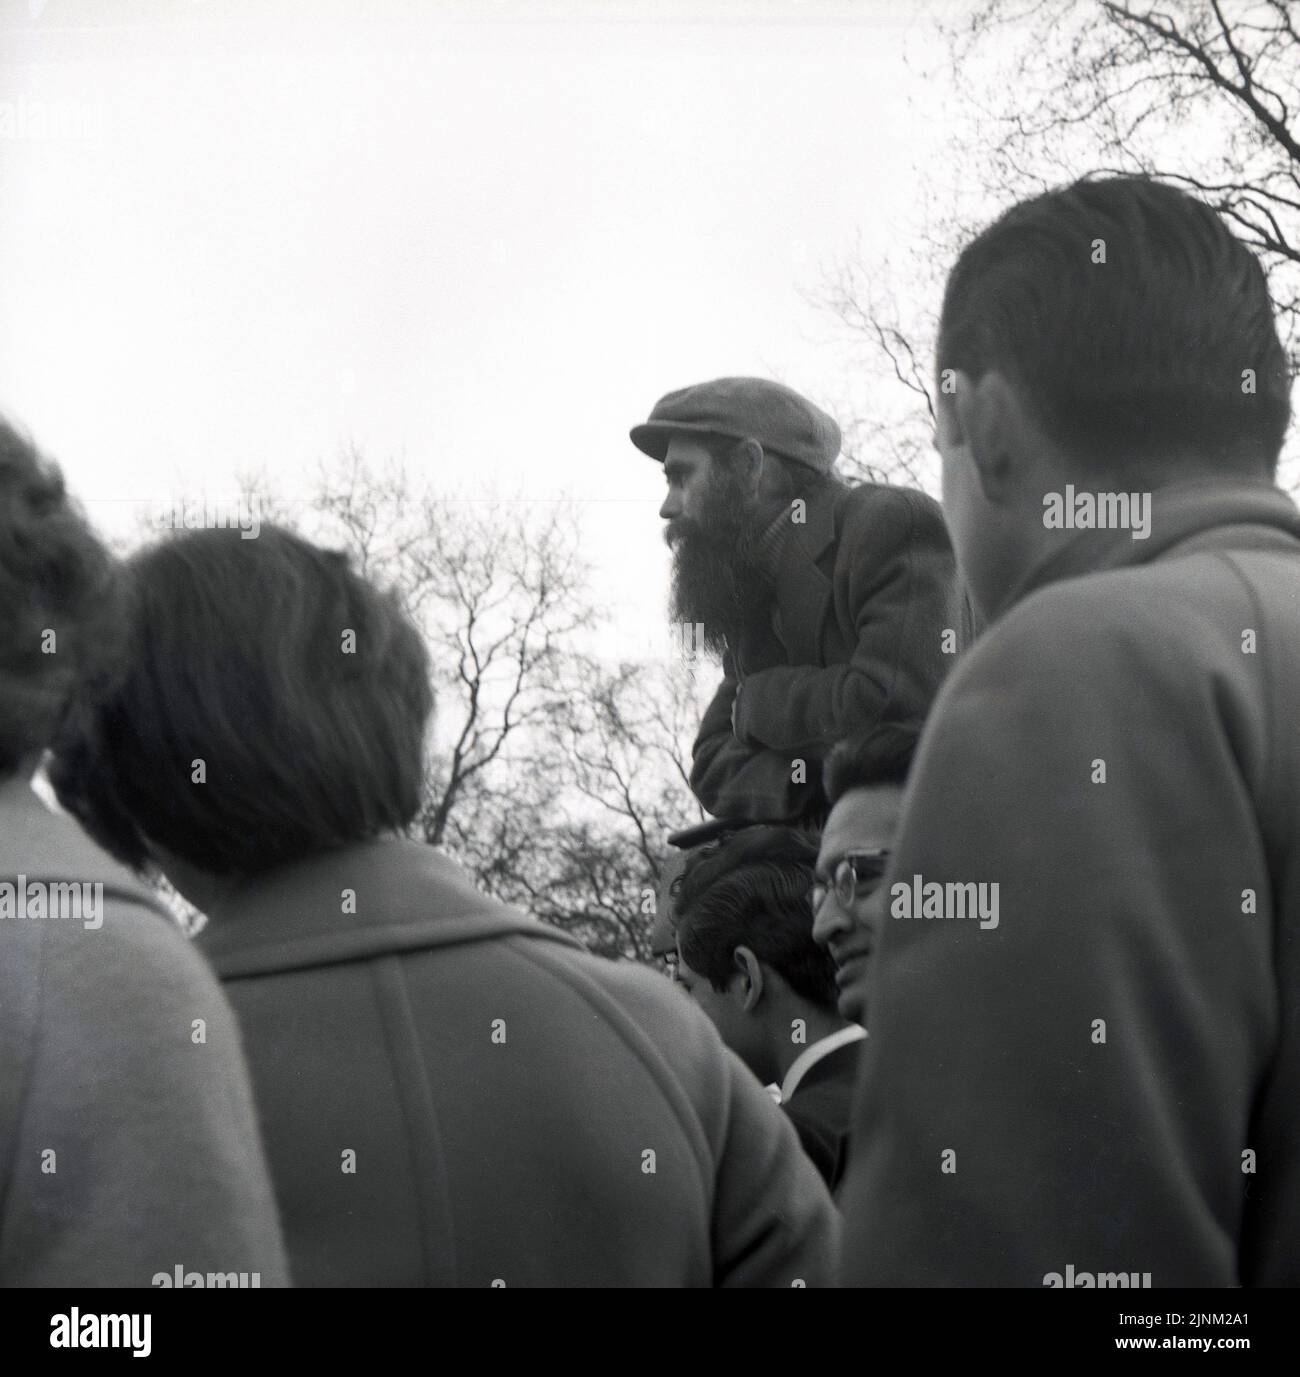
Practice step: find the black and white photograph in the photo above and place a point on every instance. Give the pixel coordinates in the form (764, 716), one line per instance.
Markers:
(649, 644)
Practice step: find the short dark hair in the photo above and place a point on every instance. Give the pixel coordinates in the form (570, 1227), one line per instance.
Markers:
(883, 756)
(59, 600)
(236, 655)
(1137, 358)
(753, 889)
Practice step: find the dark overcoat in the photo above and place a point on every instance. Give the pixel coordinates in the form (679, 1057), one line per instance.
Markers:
(868, 618)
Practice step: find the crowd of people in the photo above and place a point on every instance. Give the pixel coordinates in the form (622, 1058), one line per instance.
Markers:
(984, 971)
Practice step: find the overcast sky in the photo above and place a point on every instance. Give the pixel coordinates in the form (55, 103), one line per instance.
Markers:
(486, 236)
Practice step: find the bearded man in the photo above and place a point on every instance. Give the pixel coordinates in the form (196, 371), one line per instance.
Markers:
(834, 609)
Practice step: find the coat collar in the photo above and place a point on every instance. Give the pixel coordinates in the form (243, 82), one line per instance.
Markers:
(43, 844)
(816, 532)
(403, 896)
(1180, 513)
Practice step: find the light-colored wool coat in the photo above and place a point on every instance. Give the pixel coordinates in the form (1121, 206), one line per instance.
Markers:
(127, 1148)
(1115, 1066)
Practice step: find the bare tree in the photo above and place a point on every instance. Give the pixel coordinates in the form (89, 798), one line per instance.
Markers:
(576, 832)
(589, 888)
(500, 593)
(1199, 93)
(628, 740)
(552, 777)
(885, 333)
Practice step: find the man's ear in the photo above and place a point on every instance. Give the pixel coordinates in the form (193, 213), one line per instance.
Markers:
(997, 431)
(750, 971)
(750, 463)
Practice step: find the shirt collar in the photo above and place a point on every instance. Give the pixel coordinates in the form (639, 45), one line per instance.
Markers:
(820, 1049)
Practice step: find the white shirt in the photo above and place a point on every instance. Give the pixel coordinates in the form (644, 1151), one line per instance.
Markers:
(40, 785)
(810, 1056)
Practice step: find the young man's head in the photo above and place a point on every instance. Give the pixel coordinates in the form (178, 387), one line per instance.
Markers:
(59, 603)
(271, 704)
(736, 453)
(1113, 336)
(745, 948)
(863, 778)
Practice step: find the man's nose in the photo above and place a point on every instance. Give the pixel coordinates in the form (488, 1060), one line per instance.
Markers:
(828, 921)
(671, 508)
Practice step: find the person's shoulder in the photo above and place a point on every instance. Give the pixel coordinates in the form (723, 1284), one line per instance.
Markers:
(649, 995)
(87, 913)
(655, 1021)
(113, 966)
(635, 1019)
(884, 518)
(128, 956)
(866, 501)
(1120, 624)
(1122, 607)
(645, 996)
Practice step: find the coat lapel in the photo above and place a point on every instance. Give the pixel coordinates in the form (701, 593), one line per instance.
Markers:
(803, 591)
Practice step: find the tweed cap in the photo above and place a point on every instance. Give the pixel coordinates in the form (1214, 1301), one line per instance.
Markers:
(776, 416)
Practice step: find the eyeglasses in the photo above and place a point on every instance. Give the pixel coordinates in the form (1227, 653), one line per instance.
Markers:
(855, 872)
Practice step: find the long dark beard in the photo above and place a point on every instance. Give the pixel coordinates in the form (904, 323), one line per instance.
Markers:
(718, 583)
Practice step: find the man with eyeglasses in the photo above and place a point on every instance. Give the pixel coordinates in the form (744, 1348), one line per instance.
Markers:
(863, 779)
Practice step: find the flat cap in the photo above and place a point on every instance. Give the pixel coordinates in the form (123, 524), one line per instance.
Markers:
(743, 409)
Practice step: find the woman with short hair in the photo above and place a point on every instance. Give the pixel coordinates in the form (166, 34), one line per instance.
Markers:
(451, 1093)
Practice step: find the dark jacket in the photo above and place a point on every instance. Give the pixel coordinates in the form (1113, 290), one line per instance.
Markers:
(1116, 1064)
(156, 1160)
(819, 1109)
(455, 1095)
(865, 591)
